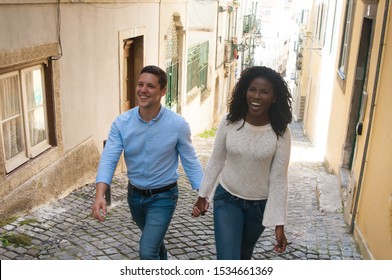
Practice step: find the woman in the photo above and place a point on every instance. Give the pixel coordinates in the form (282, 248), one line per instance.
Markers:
(250, 162)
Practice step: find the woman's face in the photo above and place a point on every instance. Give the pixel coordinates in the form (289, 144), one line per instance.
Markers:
(259, 96)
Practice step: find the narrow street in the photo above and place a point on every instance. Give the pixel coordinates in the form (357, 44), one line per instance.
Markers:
(65, 230)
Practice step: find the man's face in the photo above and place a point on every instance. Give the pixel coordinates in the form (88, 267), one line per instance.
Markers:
(149, 91)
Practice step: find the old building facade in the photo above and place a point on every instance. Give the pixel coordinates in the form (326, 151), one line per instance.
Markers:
(346, 63)
(68, 68)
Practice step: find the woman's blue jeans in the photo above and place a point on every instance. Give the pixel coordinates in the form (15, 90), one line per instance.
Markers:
(152, 215)
(237, 225)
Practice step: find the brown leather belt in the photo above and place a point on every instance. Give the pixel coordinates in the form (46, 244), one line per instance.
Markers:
(150, 192)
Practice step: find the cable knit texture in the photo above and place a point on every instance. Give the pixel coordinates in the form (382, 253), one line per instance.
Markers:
(251, 163)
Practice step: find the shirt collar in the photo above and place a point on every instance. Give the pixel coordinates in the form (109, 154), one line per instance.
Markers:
(157, 118)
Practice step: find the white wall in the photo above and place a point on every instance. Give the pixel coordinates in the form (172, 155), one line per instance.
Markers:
(89, 68)
(201, 27)
(31, 25)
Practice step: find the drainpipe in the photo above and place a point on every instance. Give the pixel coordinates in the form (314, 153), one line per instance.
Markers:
(159, 34)
(373, 105)
(58, 16)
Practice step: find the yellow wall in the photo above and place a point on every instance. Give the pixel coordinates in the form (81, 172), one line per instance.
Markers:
(312, 95)
(336, 132)
(374, 220)
(373, 226)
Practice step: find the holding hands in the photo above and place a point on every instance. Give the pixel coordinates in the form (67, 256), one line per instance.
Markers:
(200, 207)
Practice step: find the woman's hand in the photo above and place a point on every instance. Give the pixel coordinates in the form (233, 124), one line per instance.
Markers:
(280, 247)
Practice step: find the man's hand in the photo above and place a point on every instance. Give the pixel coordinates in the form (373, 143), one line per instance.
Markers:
(280, 247)
(100, 202)
(200, 207)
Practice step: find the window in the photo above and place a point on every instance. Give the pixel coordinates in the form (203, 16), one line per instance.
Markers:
(171, 49)
(172, 83)
(302, 18)
(249, 23)
(23, 115)
(343, 61)
(197, 69)
(321, 23)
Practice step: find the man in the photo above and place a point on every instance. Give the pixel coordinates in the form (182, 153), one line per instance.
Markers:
(152, 137)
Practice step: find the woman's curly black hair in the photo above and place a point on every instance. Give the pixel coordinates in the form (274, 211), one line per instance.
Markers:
(280, 112)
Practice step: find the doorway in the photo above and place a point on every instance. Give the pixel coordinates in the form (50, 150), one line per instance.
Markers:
(133, 64)
(358, 105)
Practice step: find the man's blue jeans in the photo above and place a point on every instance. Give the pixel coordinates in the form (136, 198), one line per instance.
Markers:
(237, 225)
(152, 215)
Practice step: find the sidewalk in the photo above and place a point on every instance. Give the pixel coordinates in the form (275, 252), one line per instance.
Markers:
(65, 230)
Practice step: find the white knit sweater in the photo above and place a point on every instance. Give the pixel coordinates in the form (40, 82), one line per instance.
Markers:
(251, 163)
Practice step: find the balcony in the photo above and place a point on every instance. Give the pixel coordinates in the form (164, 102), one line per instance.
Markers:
(249, 24)
(230, 51)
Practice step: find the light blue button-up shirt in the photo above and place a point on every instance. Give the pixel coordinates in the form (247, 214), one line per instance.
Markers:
(151, 150)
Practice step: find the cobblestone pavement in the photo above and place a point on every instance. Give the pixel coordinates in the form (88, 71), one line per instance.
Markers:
(65, 230)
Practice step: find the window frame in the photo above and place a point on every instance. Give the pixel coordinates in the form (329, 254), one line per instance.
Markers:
(171, 97)
(201, 59)
(30, 151)
(321, 23)
(345, 45)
